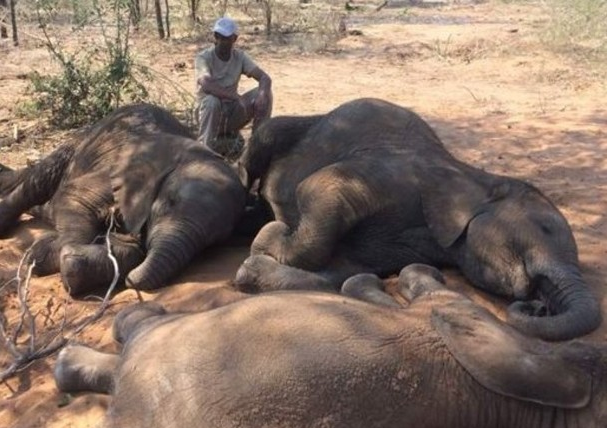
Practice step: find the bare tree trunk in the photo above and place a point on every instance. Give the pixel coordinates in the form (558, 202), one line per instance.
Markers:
(159, 19)
(193, 10)
(135, 7)
(14, 22)
(267, 7)
(166, 18)
(3, 24)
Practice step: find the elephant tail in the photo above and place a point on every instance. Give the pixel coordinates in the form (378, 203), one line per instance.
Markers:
(572, 310)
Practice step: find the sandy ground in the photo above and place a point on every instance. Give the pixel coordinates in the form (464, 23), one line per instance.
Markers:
(478, 73)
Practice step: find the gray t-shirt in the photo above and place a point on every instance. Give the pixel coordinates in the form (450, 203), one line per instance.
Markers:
(226, 73)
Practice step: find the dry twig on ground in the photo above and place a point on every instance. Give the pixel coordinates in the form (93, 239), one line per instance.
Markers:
(23, 341)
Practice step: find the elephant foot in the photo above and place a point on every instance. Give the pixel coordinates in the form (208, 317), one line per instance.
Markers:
(418, 279)
(88, 267)
(85, 268)
(45, 254)
(270, 240)
(286, 245)
(369, 288)
(252, 275)
(80, 368)
(260, 273)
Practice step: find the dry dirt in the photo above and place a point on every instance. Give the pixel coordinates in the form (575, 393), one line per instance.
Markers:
(478, 73)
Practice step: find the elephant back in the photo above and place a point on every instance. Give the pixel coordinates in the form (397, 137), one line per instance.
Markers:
(371, 125)
(103, 144)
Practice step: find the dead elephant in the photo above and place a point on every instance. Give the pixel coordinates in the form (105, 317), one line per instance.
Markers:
(313, 359)
(171, 199)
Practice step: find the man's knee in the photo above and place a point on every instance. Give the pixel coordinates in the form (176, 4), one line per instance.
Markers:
(210, 103)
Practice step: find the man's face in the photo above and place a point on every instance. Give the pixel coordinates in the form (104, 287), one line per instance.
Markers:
(224, 44)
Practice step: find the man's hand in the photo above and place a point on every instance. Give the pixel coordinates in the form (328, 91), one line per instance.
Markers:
(261, 102)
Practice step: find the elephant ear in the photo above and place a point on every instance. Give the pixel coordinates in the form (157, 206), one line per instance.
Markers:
(508, 363)
(451, 197)
(138, 175)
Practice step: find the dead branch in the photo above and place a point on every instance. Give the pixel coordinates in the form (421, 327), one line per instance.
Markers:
(471, 94)
(381, 6)
(55, 340)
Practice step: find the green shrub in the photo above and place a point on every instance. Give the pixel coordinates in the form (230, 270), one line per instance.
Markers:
(83, 94)
(97, 79)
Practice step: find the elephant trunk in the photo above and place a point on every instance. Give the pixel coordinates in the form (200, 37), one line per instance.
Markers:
(169, 251)
(572, 309)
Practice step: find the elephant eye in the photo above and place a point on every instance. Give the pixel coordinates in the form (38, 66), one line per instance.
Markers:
(172, 200)
(547, 230)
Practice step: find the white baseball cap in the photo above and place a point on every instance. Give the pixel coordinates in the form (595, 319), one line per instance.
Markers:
(225, 26)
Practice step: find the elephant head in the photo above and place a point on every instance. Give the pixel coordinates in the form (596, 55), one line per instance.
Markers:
(271, 142)
(180, 200)
(510, 239)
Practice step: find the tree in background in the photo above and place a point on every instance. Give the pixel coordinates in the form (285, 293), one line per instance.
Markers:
(159, 24)
(159, 20)
(194, 10)
(3, 25)
(135, 9)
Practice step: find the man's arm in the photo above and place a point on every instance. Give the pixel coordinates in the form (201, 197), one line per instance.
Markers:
(205, 84)
(265, 87)
(264, 80)
(209, 86)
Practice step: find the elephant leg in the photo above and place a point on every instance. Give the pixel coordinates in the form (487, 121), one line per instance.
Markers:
(86, 267)
(418, 280)
(369, 288)
(80, 368)
(45, 254)
(81, 209)
(330, 202)
(261, 273)
(386, 248)
(128, 320)
(31, 186)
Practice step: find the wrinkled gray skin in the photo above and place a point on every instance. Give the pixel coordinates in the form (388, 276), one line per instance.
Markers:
(310, 359)
(369, 187)
(173, 198)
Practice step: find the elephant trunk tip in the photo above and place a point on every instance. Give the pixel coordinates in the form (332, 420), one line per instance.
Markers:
(140, 279)
(573, 322)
